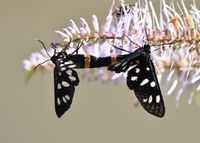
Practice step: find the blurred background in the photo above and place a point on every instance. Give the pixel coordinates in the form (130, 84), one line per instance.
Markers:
(100, 112)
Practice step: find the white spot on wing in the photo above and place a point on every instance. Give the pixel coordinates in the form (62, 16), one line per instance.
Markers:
(144, 100)
(58, 101)
(72, 66)
(60, 60)
(68, 62)
(147, 68)
(124, 68)
(116, 65)
(65, 84)
(150, 99)
(59, 86)
(61, 65)
(69, 72)
(145, 81)
(157, 98)
(72, 78)
(63, 68)
(137, 70)
(67, 97)
(152, 84)
(133, 78)
(124, 63)
(64, 99)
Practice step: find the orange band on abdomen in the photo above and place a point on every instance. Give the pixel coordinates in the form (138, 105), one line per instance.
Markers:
(113, 59)
(87, 61)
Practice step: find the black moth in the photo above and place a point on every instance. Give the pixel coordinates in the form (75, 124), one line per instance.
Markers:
(142, 79)
(65, 79)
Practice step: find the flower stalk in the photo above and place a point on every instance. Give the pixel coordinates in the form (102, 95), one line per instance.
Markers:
(175, 33)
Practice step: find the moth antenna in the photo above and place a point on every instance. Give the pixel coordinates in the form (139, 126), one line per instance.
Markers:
(78, 47)
(121, 49)
(155, 50)
(132, 41)
(67, 45)
(40, 64)
(43, 46)
(53, 46)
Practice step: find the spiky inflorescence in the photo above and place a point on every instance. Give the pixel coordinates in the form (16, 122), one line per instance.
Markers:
(176, 35)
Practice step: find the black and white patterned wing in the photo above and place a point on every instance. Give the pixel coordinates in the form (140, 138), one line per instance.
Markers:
(143, 80)
(120, 66)
(65, 80)
(125, 62)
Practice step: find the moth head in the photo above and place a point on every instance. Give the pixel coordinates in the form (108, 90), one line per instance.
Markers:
(146, 48)
(51, 58)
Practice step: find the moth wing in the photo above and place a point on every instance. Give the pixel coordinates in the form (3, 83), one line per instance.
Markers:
(143, 80)
(65, 80)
